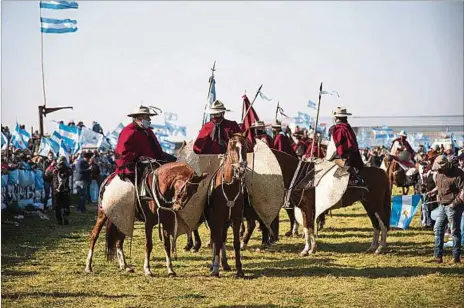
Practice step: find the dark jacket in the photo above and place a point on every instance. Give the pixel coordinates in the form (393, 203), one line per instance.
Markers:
(83, 171)
(61, 178)
(95, 172)
(449, 184)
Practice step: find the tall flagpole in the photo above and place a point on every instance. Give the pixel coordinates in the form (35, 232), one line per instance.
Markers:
(213, 69)
(42, 59)
(317, 120)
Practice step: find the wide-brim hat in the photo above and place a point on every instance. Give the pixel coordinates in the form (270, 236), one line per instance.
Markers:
(276, 124)
(403, 133)
(142, 110)
(258, 124)
(216, 107)
(340, 112)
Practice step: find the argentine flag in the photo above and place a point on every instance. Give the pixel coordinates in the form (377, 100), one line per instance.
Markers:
(89, 138)
(70, 135)
(114, 135)
(4, 140)
(312, 104)
(403, 210)
(52, 25)
(46, 147)
(19, 138)
(170, 117)
(58, 5)
(211, 99)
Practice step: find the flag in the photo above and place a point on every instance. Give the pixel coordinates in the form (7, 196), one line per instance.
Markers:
(312, 104)
(261, 94)
(250, 118)
(403, 210)
(303, 119)
(45, 147)
(63, 151)
(70, 135)
(330, 93)
(211, 98)
(18, 138)
(4, 140)
(89, 138)
(55, 141)
(58, 5)
(281, 111)
(52, 25)
(382, 133)
(160, 130)
(170, 117)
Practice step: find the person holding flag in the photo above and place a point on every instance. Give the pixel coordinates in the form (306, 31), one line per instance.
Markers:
(214, 135)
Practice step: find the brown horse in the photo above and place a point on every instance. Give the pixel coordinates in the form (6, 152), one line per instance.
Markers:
(397, 176)
(376, 202)
(174, 184)
(226, 202)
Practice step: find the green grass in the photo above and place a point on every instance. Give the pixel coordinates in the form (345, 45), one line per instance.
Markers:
(43, 266)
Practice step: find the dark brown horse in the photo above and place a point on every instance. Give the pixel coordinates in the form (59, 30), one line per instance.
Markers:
(226, 202)
(376, 202)
(174, 184)
(397, 176)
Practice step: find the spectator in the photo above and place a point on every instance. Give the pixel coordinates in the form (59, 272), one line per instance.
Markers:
(61, 190)
(48, 176)
(80, 124)
(83, 178)
(450, 184)
(97, 128)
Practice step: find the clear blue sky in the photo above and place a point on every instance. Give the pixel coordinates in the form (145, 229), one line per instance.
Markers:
(384, 58)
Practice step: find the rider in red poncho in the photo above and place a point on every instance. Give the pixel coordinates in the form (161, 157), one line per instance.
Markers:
(137, 140)
(402, 144)
(301, 145)
(281, 140)
(260, 133)
(347, 151)
(214, 135)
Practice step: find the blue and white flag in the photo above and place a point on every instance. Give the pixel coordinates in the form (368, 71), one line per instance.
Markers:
(70, 135)
(161, 130)
(18, 138)
(52, 25)
(303, 119)
(382, 133)
(330, 93)
(45, 147)
(211, 98)
(58, 5)
(90, 139)
(64, 151)
(312, 104)
(403, 210)
(4, 140)
(55, 141)
(261, 94)
(170, 117)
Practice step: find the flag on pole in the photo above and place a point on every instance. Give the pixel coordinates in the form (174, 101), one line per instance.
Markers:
(261, 94)
(70, 135)
(250, 118)
(89, 138)
(52, 25)
(211, 97)
(403, 210)
(45, 147)
(330, 93)
(19, 139)
(170, 117)
(58, 5)
(64, 151)
(4, 140)
(312, 104)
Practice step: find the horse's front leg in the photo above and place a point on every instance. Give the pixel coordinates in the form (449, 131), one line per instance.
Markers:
(148, 247)
(238, 262)
(251, 225)
(93, 239)
(197, 245)
(224, 263)
(216, 238)
(189, 244)
(167, 252)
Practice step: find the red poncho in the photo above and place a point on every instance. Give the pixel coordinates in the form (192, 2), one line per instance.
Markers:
(315, 151)
(266, 139)
(301, 146)
(282, 144)
(405, 144)
(134, 142)
(345, 141)
(207, 143)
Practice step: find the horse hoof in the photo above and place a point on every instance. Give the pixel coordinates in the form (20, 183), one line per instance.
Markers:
(370, 250)
(187, 248)
(304, 253)
(172, 275)
(243, 247)
(226, 267)
(129, 270)
(88, 270)
(288, 234)
(215, 274)
(194, 250)
(240, 275)
(380, 250)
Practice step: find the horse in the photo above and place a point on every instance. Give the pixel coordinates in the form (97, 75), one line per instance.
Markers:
(397, 176)
(171, 187)
(226, 202)
(376, 201)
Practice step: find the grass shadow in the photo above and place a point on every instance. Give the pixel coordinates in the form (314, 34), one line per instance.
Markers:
(17, 295)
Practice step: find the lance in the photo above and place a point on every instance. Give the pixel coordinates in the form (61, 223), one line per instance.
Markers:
(251, 105)
(277, 110)
(317, 120)
(213, 69)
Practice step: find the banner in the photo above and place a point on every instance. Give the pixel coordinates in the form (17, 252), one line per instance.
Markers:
(403, 210)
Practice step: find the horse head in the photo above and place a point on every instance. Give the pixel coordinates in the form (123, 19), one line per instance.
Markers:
(184, 188)
(237, 153)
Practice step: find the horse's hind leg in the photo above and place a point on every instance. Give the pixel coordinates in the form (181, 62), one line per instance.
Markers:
(197, 245)
(189, 244)
(93, 239)
(224, 263)
(251, 225)
(120, 253)
(291, 217)
(238, 262)
(383, 236)
(375, 225)
(167, 251)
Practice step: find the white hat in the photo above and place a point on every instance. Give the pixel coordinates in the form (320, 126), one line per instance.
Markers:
(340, 112)
(216, 107)
(403, 133)
(142, 110)
(258, 124)
(277, 124)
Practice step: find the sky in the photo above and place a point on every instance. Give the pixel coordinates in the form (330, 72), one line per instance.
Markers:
(383, 58)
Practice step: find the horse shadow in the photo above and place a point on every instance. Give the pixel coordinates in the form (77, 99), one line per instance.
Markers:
(255, 306)
(17, 295)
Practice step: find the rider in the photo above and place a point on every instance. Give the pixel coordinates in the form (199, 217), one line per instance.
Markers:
(260, 133)
(214, 135)
(347, 153)
(281, 140)
(301, 145)
(401, 144)
(315, 151)
(138, 140)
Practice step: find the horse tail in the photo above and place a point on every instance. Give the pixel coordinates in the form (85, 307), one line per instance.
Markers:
(112, 236)
(387, 204)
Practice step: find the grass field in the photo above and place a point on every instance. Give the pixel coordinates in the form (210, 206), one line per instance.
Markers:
(43, 266)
